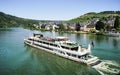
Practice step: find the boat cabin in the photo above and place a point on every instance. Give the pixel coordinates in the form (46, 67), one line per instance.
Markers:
(70, 46)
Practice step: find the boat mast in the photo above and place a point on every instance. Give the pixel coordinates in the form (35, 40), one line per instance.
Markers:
(89, 48)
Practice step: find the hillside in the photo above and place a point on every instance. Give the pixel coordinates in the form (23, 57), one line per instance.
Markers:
(102, 16)
(7, 20)
(10, 21)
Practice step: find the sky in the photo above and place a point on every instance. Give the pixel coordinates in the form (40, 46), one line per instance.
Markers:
(56, 9)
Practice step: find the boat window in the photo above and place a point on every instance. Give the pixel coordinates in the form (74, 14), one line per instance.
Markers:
(37, 40)
(58, 46)
(46, 43)
(79, 56)
(75, 48)
(43, 46)
(40, 41)
(64, 47)
(69, 54)
(59, 51)
(63, 53)
(30, 39)
(73, 55)
(53, 44)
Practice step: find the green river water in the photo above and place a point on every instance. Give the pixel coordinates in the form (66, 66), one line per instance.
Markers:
(16, 58)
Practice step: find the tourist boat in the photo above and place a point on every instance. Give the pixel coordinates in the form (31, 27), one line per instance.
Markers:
(63, 47)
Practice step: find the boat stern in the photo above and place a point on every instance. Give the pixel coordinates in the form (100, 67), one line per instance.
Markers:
(93, 60)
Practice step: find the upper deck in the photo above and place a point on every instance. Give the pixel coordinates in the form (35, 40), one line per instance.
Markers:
(61, 41)
(56, 39)
(58, 42)
(70, 44)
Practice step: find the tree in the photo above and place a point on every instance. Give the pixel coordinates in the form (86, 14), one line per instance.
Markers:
(68, 28)
(116, 23)
(77, 28)
(108, 27)
(61, 27)
(99, 25)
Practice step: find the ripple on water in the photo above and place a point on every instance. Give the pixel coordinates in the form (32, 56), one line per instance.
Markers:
(108, 67)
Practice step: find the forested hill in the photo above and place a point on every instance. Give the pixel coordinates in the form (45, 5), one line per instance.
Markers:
(101, 15)
(7, 20)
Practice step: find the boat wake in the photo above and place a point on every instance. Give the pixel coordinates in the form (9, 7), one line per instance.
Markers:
(107, 67)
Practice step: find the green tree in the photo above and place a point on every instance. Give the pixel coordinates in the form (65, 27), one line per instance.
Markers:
(116, 24)
(77, 28)
(61, 27)
(108, 27)
(13, 21)
(69, 29)
(99, 25)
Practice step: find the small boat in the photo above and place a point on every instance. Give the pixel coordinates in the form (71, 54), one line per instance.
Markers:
(63, 47)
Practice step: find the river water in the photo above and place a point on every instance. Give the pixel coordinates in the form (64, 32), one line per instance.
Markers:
(16, 58)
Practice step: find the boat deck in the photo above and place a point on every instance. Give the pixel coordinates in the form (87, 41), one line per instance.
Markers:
(69, 45)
